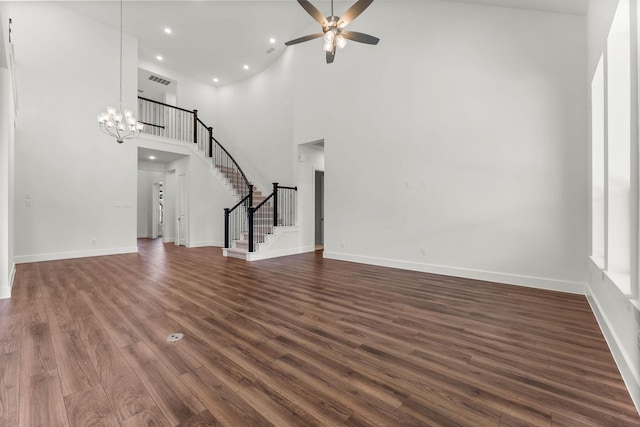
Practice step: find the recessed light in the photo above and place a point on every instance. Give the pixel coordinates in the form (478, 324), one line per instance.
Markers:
(215, 79)
(168, 30)
(159, 58)
(272, 40)
(246, 67)
(152, 157)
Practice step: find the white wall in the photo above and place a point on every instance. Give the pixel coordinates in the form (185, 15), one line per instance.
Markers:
(462, 134)
(618, 314)
(191, 94)
(81, 183)
(7, 113)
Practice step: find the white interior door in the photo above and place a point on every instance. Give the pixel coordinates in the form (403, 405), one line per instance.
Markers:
(155, 190)
(182, 210)
(319, 204)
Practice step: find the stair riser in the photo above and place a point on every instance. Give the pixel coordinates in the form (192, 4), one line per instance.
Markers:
(236, 255)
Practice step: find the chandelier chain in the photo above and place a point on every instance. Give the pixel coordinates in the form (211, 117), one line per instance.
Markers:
(120, 123)
(120, 106)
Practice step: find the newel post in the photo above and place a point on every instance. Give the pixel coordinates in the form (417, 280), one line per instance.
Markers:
(195, 126)
(226, 228)
(210, 141)
(250, 218)
(275, 204)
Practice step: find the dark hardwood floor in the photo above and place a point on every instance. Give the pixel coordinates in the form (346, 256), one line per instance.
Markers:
(294, 341)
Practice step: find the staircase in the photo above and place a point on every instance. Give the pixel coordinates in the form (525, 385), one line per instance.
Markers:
(239, 248)
(257, 221)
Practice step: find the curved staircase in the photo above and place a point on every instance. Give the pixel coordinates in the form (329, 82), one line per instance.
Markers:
(252, 224)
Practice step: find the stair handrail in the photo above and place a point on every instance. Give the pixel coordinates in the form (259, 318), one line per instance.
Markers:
(244, 177)
(196, 120)
(164, 105)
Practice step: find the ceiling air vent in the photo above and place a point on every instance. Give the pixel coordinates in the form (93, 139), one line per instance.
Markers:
(159, 80)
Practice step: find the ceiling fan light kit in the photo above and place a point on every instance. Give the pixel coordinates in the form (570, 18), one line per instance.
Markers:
(335, 37)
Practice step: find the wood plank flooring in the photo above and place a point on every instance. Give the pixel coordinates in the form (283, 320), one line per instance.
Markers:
(294, 341)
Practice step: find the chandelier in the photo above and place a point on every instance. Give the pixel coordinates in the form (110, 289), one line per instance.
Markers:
(119, 124)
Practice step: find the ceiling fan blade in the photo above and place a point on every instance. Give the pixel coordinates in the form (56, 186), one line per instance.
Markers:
(331, 56)
(303, 39)
(353, 12)
(360, 37)
(315, 13)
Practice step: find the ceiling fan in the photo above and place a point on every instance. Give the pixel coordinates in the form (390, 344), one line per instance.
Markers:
(333, 28)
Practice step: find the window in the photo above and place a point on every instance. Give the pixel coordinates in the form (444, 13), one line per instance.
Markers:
(597, 167)
(611, 123)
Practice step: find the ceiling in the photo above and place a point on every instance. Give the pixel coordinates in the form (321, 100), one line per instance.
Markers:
(215, 38)
(163, 157)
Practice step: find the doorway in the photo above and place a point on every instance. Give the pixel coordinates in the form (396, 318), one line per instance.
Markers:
(182, 210)
(157, 210)
(319, 209)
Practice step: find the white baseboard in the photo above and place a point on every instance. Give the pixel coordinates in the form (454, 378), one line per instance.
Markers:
(12, 275)
(5, 291)
(204, 244)
(23, 259)
(143, 236)
(511, 279)
(628, 371)
(257, 256)
(168, 240)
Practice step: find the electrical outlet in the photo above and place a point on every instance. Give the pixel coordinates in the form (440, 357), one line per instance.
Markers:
(93, 241)
(343, 244)
(423, 251)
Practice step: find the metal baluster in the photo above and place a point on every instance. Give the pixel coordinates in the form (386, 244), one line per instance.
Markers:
(289, 192)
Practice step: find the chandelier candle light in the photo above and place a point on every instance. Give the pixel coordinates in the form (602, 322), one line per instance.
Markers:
(120, 125)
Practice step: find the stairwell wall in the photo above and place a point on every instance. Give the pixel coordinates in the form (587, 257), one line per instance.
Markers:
(457, 145)
(206, 199)
(254, 122)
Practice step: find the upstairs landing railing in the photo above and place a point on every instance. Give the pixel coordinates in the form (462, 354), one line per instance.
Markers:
(243, 219)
